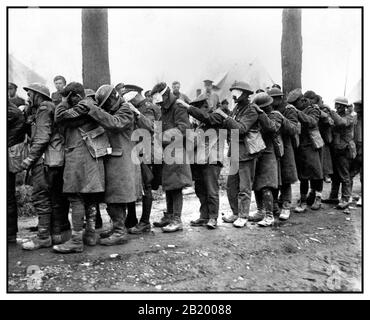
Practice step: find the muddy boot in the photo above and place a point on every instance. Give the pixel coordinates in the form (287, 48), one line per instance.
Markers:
(175, 225)
(74, 245)
(212, 223)
(317, 204)
(119, 234)
(268, 220)
(230, 219)
(90, 237)
(199, 222)
(165, 220)
(37, 243)
(240, 222)
(330, 200)
(106, 234)
(301, 205)
(140, 228)
(256, 216)
(285, 211)
(343, 204)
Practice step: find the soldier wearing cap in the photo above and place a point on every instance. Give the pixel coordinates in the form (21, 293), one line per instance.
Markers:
(266, 180)
(176, 92)
(175, 176)
(212, 97)
(356, 164)
(46, 159)
(206, 168)
(83, 176)
(60, 83)
(244, 117)
(343, 152)
(146, 113)
(290, 135)
(308, 159)
(12, 95)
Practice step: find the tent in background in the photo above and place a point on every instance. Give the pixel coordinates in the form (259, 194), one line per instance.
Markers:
(22, 75)
(253, 73)
(356, 92)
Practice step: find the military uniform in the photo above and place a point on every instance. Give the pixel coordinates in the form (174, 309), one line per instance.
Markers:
(206, 173)
(356, 164)
(342, 137)
(16, 135)
(239, 186)
(18, 101)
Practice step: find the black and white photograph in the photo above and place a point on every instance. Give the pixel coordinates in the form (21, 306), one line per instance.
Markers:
(195, 150)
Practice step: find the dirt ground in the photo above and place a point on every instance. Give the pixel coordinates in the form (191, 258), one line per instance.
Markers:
(318, 251)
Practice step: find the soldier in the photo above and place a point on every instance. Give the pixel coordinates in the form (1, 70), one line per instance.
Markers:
(46, 159)
(16, 135)
(60, 83)
(290, 134)
(212, 97)
(145, 115)
(176, 176)
(356, 164)
(308, 159)
(325, 126)
(83, 174)
(12, 95)
(206, 175)
(239, 186)
(176, 92)
(116, 117)
(344, 150)
(267, 173)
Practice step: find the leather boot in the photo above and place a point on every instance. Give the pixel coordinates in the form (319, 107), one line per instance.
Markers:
(285, 211)
(119, 234)
(268, 220)
(165, 220)
(90, 237)
(74, 245)
(199, 222)
(140, 228)
(174, 225)
(37, 243)
(317, 204)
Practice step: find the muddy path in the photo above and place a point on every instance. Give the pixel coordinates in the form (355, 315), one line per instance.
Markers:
(315, 251)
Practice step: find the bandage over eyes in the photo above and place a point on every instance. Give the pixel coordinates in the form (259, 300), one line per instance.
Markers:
(129, 95)
(158, 97)
(236, 93)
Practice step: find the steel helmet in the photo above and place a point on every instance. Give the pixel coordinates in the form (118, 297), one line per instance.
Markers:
(39, 88)
(341, 100)
(241, 85)
(294, 95)
(103, 93)
(275, 92)
(262, 99)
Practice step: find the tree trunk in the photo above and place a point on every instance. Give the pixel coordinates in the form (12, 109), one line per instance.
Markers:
(291, 50)
(95, 59)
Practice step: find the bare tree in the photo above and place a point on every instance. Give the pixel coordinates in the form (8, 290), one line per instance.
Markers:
(95, 59)
(291, 49)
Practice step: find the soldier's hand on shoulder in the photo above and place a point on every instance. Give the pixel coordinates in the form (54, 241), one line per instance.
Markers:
(258, 109)
(183, 103)
(220, 112)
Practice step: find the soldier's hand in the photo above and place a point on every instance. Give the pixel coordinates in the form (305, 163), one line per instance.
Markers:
(258, 109)
(182, 102)
(65, 99)
(220, 112)
(26, 163)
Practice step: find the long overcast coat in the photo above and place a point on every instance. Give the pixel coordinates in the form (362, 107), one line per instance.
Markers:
(120, 171)
(175, 119)
(308, 158)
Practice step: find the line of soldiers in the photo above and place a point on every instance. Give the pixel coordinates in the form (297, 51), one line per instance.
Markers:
(80, 145)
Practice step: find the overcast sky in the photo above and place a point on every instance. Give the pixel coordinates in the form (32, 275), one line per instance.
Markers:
(148, 45)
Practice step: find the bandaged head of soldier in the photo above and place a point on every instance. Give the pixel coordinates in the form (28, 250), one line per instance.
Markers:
(76, 92)
(160, 93)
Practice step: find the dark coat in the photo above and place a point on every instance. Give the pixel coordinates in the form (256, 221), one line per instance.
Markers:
(82, 173)
(289, 129)
(16, 125)
(17, 100)
(342, 131)
(120, 171)
(326, 130)
(267, 171)
(308, 158)
(244, 118)
(175, 119)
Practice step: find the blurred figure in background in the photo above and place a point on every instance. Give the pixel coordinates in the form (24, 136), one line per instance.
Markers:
(59, 83)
